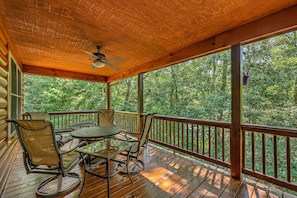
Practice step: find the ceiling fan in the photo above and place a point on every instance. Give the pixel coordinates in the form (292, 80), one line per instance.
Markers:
(100, 60)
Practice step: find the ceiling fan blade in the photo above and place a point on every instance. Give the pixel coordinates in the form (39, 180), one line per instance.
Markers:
(112, 66)
(115, 59)
(92, 67)
(91, 54)
(80, 59)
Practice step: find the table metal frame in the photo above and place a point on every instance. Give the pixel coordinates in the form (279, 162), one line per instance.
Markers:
(107, 149)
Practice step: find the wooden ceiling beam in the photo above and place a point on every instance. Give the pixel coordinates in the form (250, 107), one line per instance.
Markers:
(279, 22)
(42, 71)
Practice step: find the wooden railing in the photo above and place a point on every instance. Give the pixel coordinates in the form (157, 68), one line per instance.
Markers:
(126, 120)
(63, 120)
(269, 153)
(207, 140)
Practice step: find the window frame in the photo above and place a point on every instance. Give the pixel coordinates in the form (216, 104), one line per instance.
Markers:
(14, 89)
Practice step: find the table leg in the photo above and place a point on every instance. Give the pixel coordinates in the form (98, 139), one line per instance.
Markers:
(108, 177)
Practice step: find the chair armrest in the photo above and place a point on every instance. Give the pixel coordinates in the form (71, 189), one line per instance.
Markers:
(127, 134)
(58, 137)
(62, 152)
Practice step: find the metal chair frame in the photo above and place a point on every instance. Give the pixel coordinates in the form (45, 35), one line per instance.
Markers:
(59, 170)
(142, 142)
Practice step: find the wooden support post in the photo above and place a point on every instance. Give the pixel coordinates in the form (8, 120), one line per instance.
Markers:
(108, 96)
(140, 101)
(236, 109)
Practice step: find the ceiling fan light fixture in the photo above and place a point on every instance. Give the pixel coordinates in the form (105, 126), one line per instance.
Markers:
(98, 64)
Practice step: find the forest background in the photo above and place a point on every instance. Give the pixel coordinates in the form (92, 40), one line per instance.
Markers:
(199, 88)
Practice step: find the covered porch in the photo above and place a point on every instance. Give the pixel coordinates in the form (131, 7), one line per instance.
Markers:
(43, 38)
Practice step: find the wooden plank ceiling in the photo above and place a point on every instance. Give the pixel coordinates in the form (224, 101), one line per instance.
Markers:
(148, 35)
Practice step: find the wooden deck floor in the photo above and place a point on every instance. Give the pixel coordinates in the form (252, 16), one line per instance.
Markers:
(165, 175)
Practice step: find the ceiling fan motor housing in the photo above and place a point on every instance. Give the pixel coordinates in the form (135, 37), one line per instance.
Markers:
(100, 56)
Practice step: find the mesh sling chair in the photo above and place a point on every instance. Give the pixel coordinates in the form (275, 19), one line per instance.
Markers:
(41, 154)
(142, 140)
(106, 117)
(43, 115)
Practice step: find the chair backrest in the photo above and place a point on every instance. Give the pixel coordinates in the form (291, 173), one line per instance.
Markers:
(38, 142)
(146, 128)
(38, 115)
(106, 117)
(143, 140)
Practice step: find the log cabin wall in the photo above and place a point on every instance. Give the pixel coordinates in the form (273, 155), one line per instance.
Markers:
(8, 144)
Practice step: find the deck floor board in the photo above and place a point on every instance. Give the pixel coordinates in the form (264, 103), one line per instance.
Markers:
(165, 175)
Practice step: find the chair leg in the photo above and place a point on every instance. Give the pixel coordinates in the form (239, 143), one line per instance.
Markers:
(135, 166)
(41, 189)
(84, 171)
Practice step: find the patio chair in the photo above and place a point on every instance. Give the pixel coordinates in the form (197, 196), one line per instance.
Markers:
(41, 154)
(37, 115)
(106, 117)
(61, 137)
(142, 138)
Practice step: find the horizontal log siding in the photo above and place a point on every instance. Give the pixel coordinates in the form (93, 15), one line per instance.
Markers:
(8, 145)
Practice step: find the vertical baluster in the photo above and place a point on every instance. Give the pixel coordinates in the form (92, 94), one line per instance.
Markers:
(187, 136)
(166, 131)
(159, 130)
(135, 122)
(243, 148)
(170, 133)
(182, 135)
(174, 134)
(263, 154)
(275, 156)
(223, 144)
(192, 148)
(63, 122)
(216, 143)
(162, 130)
(253, 151)
(178, 134)
(73, 118)
(197, 141)
(209, 141)
(288, 159)
(203, 140)
(76, 119)
(59, 125)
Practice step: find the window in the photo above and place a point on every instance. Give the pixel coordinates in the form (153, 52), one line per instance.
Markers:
(15, 93)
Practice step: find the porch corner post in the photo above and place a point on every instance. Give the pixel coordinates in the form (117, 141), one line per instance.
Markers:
(236, 112)
(140, 101)
(108, 96)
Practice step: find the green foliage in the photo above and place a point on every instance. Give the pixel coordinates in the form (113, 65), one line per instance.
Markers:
(270, 96)
(124, 95)
(198, 88)
(51, 94)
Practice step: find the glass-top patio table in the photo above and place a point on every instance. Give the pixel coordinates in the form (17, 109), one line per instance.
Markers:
(107, 149)
(96, 132)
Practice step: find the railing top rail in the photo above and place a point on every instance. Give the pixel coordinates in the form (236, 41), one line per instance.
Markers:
(72, 112)
(125, 112)
(194, 121)
(282, 131)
